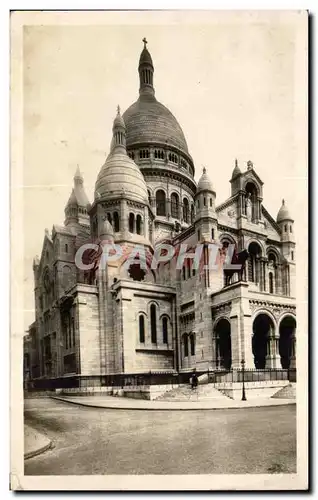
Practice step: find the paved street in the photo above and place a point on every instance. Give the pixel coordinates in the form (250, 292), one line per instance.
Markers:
(99, 441)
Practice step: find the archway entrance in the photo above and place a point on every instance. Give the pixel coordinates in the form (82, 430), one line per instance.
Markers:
(287, 331)
(262, 327)
(223, 344)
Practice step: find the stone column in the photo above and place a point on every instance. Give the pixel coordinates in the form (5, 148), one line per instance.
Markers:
(272, 356)
(241, 330)
(217, 352)
(292, 364)
(124, 218)
(214, 351)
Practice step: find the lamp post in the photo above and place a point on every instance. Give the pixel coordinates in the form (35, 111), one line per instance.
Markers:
(243, 386)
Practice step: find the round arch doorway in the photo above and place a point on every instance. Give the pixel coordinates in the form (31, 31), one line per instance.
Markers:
(287, 331)
(223, 346)
(262, 327)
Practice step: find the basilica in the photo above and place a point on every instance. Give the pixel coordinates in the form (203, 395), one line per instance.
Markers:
(95, 322)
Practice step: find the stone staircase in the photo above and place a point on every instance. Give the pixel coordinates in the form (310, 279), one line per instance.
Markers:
(206, 392)
(287, 392)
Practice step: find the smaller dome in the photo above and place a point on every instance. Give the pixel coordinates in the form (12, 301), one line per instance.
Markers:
(283, 213)
(236, 170)
(120, 176)
(106, 229)
(205, 183)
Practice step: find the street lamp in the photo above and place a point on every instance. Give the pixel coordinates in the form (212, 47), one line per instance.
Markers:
(243, 386)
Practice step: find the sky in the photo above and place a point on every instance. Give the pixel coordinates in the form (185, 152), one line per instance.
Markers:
(231, 82)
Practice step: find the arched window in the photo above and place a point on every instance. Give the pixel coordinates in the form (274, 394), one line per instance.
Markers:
(291, 228)
(192, 345)
(109, 217)
(131, 222)
(271, 283)
(186, 346)
(210, 202)
(254, 271)
(174, 205)
(285, 228)
(139, 224)
(198, 203)
(66, 247)
(153, 323)
(161, 202)
(185, 210)
(199, 235)
(116, 222)
(204, 201)
(251, 202)
(141, 329)
(165, 330)
(212, 234)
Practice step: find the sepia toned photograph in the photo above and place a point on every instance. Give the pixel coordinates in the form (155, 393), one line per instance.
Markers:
(159, 331)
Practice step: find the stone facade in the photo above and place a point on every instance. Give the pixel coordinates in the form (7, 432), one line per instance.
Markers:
(118, 319)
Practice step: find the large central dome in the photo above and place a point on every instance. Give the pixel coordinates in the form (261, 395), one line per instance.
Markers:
(149, 121)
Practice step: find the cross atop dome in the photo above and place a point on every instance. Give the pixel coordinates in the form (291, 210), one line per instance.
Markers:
(145, 42)
(118, 109)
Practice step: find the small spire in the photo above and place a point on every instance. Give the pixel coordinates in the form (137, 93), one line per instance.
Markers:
(236, 163)
(145, 42)
(119, 131)
(283, 201)
(204, 170)
(78, 178)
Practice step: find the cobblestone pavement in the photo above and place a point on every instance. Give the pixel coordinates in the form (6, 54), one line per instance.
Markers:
(99, 441)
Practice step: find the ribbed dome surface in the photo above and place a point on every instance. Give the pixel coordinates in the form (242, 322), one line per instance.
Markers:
(283, 213)
(149, 121)
(120, 175)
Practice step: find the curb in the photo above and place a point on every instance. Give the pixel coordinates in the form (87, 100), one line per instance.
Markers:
(40, 450)
(88, 405)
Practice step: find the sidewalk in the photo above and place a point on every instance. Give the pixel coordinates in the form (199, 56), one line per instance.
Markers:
(34, 442)
(121, 403)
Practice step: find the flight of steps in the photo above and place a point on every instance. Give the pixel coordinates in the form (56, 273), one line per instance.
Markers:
(287, 392)
(204, 392)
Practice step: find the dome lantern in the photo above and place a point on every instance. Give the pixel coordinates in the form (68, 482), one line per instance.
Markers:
(119, 132)
(146, 71)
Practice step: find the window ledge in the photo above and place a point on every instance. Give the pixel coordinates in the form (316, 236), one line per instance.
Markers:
(153, 349)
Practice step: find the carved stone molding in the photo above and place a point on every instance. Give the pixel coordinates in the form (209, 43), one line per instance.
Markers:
(221, 310)
(276, 309)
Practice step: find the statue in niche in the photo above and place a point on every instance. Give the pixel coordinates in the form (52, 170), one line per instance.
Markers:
(248, 206)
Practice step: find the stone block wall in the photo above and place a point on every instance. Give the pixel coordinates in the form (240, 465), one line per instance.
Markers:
(89, 332)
